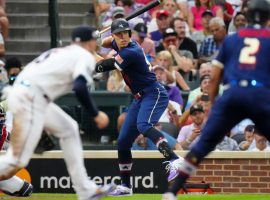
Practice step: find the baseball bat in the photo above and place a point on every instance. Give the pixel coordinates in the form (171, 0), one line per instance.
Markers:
(136, 13)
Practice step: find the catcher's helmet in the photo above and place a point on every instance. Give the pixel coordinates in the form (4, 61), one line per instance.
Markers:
(258, 11)
(120, 25)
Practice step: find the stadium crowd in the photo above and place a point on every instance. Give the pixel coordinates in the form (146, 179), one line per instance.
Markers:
(179, 38)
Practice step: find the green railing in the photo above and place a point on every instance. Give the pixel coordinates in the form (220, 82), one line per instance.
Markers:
(54, 24)
(110, 102)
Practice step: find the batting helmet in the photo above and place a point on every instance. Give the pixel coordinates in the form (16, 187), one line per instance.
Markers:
(120, 25)
(258, 11)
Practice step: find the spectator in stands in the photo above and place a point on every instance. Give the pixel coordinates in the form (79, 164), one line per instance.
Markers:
(162, 21)
(227, 10)
(201, 35)
(182, 59)
(185, 44)
(165, 59)
(249, 137)
(100, 9)
(210, 45)
(189, 134)
(239, 21)
(3, 3)
(4, 22)
(227, 144)
(116, 82)
(184, 8)
(242, 9)
(143, 143)
(195, 19)
(13, 67)
(205, 69)
(261, 143)
(173, 92)
(129, 7)
(204, 86)
(148, 45)
(2, 47)
(172, 113)
(239, 129)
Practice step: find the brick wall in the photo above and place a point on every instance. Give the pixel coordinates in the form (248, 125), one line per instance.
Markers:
(235, 175)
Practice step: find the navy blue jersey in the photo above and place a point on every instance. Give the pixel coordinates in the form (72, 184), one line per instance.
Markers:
(132, 63)
(250, 59)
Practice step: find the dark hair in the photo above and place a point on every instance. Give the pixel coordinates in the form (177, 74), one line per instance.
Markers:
(127, 2)
(13, 62)
(175, 19)
(250, 128)
(240, 13)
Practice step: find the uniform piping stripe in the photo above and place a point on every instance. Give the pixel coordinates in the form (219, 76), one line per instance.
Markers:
(149, 119)
(117, 66)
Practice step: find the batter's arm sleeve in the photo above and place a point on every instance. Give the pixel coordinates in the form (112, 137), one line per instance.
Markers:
(82, 93)
(105, 65)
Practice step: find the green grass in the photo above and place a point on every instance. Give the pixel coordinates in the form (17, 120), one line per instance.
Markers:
(147, 197)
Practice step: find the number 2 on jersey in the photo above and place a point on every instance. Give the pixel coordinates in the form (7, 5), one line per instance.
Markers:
(248, 53)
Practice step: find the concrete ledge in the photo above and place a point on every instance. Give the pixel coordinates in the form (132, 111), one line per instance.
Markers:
(155, 154)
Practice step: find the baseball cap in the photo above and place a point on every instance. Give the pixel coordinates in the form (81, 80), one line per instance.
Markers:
(162, 13)
(141, 28)
(207, 12)
(118, 12)
(84, 33)
(196, 108)
(169, 32)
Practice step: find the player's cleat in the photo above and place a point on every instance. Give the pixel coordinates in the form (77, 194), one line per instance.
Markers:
(102, 191)
(121, 190)
(168, 196)
(25, 191)
(173, 168)
(180, 164)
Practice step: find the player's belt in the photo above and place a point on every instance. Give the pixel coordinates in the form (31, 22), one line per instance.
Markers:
(243, 83)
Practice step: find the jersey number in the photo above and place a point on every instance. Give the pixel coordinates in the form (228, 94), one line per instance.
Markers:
(43, 56)
(248, 53)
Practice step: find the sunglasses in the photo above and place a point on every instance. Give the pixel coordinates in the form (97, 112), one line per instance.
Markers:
(168, 41)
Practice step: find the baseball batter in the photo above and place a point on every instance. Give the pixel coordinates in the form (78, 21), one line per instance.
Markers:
(30, 100)
(150, 101)
(244, 67)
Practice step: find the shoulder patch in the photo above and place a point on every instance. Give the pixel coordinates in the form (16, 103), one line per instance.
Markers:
(119, 59)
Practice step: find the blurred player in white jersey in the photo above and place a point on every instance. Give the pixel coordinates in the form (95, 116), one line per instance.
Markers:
(30, 100)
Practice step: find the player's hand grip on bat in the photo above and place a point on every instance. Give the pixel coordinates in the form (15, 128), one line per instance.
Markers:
(101, 120)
